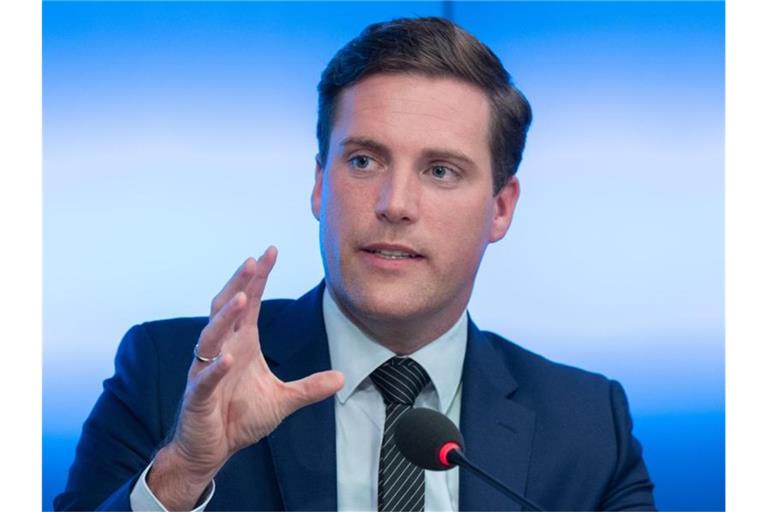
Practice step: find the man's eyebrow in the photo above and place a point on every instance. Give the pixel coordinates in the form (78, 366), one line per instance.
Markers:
(449, 154)
(366, 143)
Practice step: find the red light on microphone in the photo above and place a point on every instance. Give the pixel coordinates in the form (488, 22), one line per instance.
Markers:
(445, 450)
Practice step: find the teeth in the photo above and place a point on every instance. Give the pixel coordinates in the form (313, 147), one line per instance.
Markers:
(393, 255)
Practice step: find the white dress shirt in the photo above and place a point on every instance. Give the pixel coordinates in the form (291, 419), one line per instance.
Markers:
(360, 413)
(360, 410)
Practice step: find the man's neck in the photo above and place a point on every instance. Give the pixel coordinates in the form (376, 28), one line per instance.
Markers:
(403, 336)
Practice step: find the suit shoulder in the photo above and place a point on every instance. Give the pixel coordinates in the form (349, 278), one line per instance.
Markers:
(530, 367)
(174, 328)
(186, 330)
(560, 395)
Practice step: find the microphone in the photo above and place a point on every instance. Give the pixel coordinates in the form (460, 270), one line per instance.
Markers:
(429, 440)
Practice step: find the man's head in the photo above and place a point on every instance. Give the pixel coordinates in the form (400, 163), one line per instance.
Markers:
(406, 188)
(432, 47)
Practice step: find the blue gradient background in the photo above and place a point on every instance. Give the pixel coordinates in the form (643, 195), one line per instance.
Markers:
(179, 138)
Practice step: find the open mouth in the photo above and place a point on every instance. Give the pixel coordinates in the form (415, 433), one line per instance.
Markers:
(392, 251)
(392, 255)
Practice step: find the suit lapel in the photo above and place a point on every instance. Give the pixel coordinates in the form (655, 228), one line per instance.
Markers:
(304, 445)
(498, 432)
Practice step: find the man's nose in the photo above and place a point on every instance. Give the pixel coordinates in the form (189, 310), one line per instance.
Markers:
(398, 200)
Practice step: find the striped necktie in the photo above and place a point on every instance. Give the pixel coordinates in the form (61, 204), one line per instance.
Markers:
(401, 484)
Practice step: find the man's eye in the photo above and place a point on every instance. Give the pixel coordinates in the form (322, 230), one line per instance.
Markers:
(443, 173)
(360, 162)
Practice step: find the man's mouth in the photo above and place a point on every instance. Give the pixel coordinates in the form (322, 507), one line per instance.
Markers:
(392, 252)
(394, 255)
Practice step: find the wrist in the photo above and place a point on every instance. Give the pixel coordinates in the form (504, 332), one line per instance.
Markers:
(176, 482)
(197, 471)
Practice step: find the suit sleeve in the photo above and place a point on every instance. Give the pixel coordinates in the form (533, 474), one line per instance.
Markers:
(122, 433)
(630, 487)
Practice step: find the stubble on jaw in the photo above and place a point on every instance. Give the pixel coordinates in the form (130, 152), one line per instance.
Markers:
(403, 330)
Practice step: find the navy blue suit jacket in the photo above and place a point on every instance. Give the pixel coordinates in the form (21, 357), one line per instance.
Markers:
(559, 435)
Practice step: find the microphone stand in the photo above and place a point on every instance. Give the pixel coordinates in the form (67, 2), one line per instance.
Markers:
(457, 457)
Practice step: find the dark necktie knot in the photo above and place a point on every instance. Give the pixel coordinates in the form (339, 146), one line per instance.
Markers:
(400, 380)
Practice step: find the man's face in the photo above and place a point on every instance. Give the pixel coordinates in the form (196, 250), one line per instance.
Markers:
(405, 202)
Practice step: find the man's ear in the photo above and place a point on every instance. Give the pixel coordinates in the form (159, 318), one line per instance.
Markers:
(317, 190)
(504, 208)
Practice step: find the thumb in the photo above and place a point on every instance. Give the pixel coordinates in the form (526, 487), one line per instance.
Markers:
(313, 388)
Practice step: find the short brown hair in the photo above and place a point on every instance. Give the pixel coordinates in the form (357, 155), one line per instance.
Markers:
(433, 47)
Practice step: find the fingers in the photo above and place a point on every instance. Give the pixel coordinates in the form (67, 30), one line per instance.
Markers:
(238, 281)
(313, 388)
(256, 287)
(214, 334)
(209, 378)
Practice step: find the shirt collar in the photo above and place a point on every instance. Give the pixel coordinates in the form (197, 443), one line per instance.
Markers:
(356, 355)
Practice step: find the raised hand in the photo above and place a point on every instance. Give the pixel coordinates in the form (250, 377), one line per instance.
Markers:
(234, 400)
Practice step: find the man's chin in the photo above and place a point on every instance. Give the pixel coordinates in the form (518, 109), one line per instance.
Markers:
(391, 312)
(386, 303)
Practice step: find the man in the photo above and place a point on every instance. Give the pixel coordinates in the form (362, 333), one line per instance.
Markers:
(290, 404)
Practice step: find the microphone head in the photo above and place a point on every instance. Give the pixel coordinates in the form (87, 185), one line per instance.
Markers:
(425, 436)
